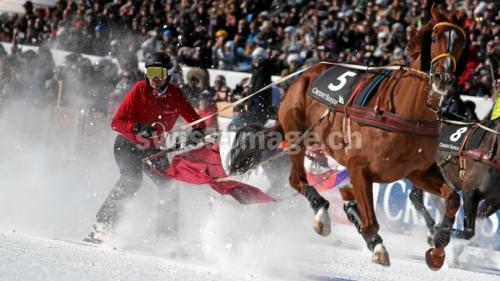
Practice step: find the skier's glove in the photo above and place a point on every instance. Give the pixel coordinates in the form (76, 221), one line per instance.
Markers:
(196, 136)
(145, 130)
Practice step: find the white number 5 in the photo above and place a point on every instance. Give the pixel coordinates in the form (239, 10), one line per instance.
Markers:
(342, 79)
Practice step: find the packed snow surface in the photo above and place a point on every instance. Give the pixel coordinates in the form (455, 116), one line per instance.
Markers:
(52, 184)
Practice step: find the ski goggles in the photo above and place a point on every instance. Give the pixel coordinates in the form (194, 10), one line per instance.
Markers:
(153, 72)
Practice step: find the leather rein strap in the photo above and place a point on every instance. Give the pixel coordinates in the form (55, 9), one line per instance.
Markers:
(394, 123)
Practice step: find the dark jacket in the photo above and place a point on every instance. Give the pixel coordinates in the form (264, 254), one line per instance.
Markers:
(261, 77)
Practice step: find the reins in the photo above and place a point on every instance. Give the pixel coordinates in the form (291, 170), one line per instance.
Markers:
(176, 147)
(283, 79)
(454, 122)
(283, 152)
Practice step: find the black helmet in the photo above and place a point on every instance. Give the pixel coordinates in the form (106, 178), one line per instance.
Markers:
(158, 59)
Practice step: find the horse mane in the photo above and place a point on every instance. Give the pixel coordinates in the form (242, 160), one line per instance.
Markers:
(420, 44)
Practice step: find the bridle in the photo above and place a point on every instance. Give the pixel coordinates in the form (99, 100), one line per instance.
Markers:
(444, 77)
(448, 54)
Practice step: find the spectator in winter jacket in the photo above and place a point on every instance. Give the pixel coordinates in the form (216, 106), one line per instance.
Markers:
(260, 104)
(495, 112)
(220, 89)
(206, 107)
(197, 82)
(119, 92)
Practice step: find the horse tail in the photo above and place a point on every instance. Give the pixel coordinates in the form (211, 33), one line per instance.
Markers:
(250, 143)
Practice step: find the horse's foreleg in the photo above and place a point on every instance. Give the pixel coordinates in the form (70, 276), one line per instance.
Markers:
(362, 213)
(321, 223)
(363, 192)
(488, 208)
(432, 181)
(291, 116)
(352, 213)
(442, 231)
(471, 203)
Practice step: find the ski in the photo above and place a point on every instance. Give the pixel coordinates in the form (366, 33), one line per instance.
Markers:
(87, 242)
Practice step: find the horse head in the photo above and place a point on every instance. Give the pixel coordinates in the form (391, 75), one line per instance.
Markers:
(439, 48)
(448, 40)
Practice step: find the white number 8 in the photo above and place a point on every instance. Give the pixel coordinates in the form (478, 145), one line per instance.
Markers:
(342, 79)
(458, 134)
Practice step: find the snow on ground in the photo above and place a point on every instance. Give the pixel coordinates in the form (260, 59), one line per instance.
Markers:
(50, 190)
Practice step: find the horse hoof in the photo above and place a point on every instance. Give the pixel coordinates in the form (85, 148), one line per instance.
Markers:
(434, 261)
(322, 229)
(381, 256)
(322, 223)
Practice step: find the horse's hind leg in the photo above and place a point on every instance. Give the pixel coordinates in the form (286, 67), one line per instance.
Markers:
(471, 201)
(373, 242)
(321, 223)
(361, 212)
(432, 181)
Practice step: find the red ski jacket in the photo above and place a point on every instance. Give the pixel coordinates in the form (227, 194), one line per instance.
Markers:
(141, 105)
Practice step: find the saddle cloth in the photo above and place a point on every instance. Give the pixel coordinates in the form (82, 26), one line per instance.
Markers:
(452, 137)
(334, 86)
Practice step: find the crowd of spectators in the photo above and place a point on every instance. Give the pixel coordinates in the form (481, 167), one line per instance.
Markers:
(226, 34)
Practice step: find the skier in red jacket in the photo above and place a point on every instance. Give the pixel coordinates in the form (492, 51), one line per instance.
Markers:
(149, 110)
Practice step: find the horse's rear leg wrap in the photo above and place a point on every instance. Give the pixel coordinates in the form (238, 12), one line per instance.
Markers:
(316, 200)
(351, 210)
(417, 198)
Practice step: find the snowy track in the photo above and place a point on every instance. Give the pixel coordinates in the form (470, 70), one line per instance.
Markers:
(49, 189)
(33, 258)
(30, 258)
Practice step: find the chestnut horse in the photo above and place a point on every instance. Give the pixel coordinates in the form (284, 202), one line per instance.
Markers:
(372, 154)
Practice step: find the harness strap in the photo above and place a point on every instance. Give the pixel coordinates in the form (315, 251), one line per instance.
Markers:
(395, 123)
(283, 79)
(448, 54)
(462, 160)
(283, 152)
(452, 25)
(477, 155)
(445, 55)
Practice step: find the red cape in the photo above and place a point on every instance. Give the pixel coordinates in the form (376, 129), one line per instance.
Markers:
(204, 165)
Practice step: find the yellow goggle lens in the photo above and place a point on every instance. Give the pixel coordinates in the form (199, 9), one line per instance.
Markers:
(156, 72)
